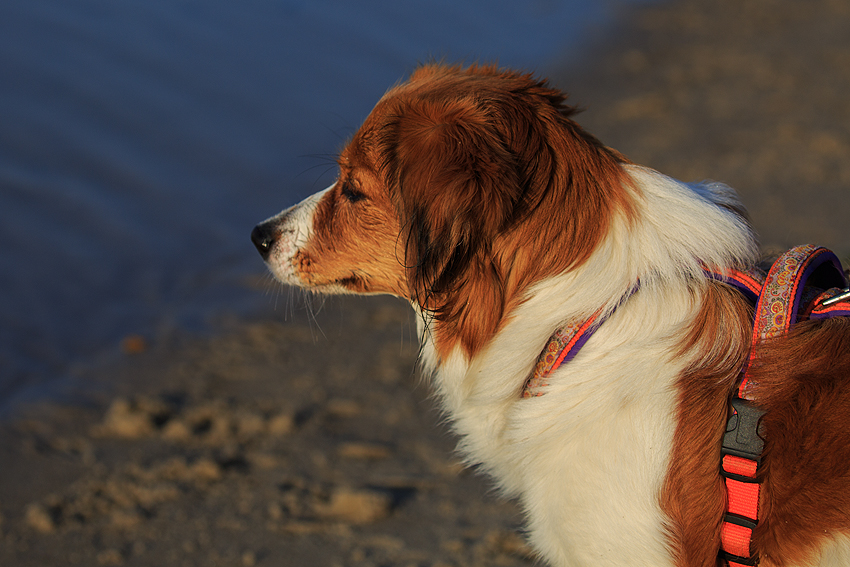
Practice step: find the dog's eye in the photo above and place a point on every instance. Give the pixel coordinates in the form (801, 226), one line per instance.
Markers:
(352, 194)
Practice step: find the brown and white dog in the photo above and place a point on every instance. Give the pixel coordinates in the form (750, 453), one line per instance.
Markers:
(472, 194)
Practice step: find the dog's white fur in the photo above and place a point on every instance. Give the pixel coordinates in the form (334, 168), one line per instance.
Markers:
(296, 225)
(588, 459)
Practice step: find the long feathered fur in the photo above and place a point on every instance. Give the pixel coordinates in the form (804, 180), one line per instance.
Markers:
(473, 194)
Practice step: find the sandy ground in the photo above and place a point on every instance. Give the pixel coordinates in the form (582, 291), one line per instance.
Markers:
(311, 441)
(753, 94)
(303, 443)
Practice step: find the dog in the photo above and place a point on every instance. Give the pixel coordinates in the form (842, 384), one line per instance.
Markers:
(472, 193)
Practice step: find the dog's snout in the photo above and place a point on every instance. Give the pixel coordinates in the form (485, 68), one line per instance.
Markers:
(263, 236)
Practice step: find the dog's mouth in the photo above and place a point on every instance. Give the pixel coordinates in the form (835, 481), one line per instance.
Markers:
(354, 283)
(287, 272)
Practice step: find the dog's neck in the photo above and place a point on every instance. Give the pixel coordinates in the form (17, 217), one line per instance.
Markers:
(651, 242)
(485, 383)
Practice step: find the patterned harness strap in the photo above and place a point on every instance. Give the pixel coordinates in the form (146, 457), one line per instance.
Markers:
(793, 289)
(562, 347)
(806, 282)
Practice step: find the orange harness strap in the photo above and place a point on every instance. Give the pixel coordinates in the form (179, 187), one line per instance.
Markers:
(784, 296)
(792, 289)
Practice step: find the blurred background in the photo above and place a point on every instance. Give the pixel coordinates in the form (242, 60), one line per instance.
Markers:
(141, 140)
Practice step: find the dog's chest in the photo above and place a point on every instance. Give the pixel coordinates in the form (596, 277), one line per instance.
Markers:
(587, 460)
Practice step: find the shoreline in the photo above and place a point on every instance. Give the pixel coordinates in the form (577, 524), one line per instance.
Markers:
(253, 447)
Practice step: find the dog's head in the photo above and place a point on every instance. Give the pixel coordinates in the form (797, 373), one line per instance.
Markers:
(461, 188)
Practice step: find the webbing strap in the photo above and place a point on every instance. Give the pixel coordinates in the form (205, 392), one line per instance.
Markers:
(749, 282)
(781, 298)
(565, 342)
(831, 303)
(782, 293)
(562, 347)
(778, 307)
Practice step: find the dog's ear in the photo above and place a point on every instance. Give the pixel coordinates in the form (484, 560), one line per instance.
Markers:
(456, 186)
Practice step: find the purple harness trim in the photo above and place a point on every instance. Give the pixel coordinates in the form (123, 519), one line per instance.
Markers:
(810, 302)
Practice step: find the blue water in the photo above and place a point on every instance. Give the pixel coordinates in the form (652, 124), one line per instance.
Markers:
(141, 140)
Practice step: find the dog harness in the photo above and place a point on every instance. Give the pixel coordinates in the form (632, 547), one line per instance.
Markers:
(806, 282)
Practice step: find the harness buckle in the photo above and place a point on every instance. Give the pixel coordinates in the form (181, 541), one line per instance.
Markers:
(742, 437)
(731, 559)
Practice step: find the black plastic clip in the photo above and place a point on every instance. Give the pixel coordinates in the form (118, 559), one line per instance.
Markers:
(729, 558)
(746, 523)
(742, 437)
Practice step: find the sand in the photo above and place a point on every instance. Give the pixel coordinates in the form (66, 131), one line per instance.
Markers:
(306, 437)
(308, 442)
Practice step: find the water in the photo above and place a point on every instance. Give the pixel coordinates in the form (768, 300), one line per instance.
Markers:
(141, 140)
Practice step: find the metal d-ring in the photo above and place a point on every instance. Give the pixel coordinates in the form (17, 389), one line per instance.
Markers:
(836, 298)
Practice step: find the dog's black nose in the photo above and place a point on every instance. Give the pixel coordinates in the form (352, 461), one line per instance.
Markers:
(263, 237)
